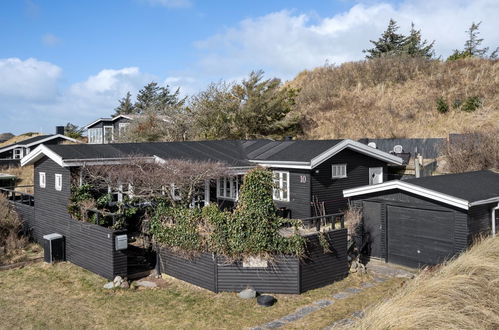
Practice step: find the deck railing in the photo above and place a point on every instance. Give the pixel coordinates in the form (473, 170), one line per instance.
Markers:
(336, 220)
(18, 197)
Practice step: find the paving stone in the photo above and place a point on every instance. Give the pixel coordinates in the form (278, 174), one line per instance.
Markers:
(379, 279)
(274, 324)
(323, 302)
(341, 295)
(340, 324)
(358, 314)
(366, 285)
(353, 290)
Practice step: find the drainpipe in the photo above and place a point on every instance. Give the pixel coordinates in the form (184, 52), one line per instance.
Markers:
(494, 219)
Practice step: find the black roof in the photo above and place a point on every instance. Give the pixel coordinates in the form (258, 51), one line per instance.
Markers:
(470, 186)
(235, 153)
(28, 141)
(427, 147)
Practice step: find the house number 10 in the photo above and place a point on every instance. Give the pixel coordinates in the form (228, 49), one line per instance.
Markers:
(303, 179)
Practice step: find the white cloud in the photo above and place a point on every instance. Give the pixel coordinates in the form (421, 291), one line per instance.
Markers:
(284, 43)
(28, 80)
(169, 3)
(49, 39)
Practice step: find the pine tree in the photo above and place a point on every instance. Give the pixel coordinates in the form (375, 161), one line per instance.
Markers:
(160, 100)
(147, 97)
(390, 43)
(415, 47)
(471, 45)
(126, 106)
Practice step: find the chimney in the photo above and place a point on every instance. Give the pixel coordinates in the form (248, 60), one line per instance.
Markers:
(59, 130)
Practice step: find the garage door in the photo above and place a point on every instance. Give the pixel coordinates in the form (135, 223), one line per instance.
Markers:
(418, 237)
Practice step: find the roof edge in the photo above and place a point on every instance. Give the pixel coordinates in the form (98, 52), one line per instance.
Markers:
(408, 187)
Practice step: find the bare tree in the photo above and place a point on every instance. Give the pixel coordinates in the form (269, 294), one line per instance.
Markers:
(175, 180)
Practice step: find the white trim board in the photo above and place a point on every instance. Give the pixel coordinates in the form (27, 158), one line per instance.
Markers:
(51, 137)
(414, 189)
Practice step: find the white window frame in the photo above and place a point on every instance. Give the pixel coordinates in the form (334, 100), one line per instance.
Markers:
(94, 135)
(42, 178)
(17, 153)
(111, 138)
(281, 188)
(232, 193)
(339, 171)
(122, 127)
(58, 182)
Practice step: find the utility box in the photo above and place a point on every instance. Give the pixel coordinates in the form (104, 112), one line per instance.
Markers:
(53, 245)
(121, 242)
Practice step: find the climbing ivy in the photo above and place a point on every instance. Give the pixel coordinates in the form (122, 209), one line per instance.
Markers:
(253, 228)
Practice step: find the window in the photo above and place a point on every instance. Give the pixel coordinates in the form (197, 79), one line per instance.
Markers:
(18, 153)
(339, 171)
(58, 182)
(41, 180)
(108, 134)
(228, 188)
(122, 127)
(281, 186)
(94, 135)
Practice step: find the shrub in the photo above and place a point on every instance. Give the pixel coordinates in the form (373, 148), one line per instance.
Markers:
(471, 104)
(442, 105)
(353, 217)
(10, 228)
(472, 151)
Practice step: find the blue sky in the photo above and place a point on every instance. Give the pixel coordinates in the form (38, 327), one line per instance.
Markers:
(69, 61)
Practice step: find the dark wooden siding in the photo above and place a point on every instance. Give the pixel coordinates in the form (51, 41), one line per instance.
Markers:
(405, 199)
(330, 191)
(87, 245)
(199, 270)
(299, 194)
(116, 126)
(27, 214)
(479, 220)
(318, 268)
(281, 276)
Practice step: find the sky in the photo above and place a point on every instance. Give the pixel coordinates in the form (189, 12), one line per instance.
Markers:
(71, 61)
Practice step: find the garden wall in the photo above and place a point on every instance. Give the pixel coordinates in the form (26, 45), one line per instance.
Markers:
(283, 274)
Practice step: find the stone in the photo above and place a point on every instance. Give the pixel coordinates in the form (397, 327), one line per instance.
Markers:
(353, 290)
(274, 324)
(247, 294)
(366, 285)
(146, 284)
(379, 279)
(266, 300)
(341, 295)
(118, 280)
(125, 285)
(323, 302)
(358, 314)
(109, 285)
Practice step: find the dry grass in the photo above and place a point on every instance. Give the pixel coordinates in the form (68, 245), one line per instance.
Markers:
(66, 296)
(477, 150)
(463, 294)
(396, 97)
(24, 177)
(11, 241)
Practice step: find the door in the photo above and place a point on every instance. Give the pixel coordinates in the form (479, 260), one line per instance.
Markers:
(375, 175)
(108, 134)
(418, 237)
(371, 214)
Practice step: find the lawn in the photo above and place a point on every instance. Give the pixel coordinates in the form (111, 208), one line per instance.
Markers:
(66, 296)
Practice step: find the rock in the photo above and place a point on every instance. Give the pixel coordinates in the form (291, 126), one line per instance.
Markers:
(125, 285)
(341, 295)
(266, 300)
(109, 285)
(146, 284)
(118, 280)
(247, 294)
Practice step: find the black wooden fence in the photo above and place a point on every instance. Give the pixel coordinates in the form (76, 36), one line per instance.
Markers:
(283, 274)
(87, 245)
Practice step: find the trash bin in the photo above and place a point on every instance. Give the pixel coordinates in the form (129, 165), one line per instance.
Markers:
(53, 245)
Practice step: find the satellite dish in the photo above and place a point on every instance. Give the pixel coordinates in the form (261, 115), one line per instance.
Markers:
(398, 149)
(372, 144)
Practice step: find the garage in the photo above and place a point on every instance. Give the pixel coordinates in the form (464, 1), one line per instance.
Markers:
(425, 221)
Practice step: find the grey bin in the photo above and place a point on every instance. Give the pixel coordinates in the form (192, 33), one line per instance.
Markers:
(53, 245)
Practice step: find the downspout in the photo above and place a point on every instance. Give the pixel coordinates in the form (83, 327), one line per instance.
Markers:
(494, 219)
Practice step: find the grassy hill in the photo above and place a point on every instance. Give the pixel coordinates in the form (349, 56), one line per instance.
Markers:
(397, 97)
